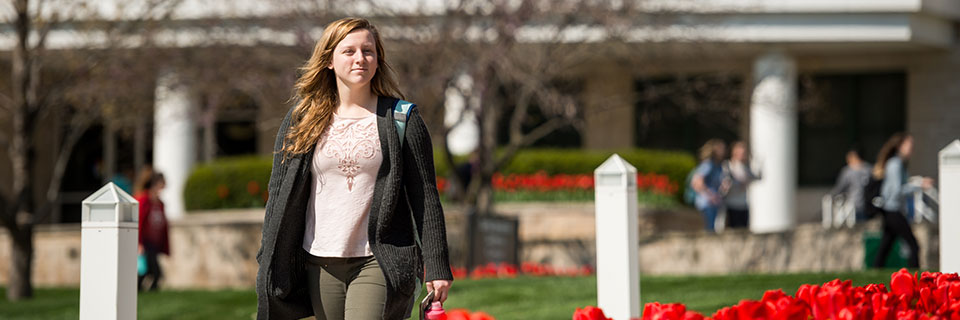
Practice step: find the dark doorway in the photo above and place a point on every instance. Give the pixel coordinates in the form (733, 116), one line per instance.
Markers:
(842, 111)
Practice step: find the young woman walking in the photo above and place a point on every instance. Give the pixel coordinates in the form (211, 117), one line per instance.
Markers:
(353, 222)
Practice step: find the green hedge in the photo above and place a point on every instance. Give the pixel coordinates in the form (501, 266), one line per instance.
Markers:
(228, 183)
(674, 164)
(242, 182)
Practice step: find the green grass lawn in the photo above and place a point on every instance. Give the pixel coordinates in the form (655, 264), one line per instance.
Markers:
(519, 298)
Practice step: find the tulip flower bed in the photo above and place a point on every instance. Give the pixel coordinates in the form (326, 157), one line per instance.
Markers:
(504, 270)
(656, 189)
(931, 296)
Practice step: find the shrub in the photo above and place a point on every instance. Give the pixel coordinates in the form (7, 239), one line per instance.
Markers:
(239, 182)
(674, 164)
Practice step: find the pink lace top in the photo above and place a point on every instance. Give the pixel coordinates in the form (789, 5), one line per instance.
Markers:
(345, 165)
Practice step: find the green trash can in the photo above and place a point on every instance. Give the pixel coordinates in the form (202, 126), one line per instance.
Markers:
(895, 260)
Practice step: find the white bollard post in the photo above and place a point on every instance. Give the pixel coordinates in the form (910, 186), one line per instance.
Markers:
(949, 181)
(108, 255)
(618, 269)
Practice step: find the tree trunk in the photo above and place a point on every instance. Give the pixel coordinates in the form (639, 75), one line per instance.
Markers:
(209, 140)
(20, 227)
(488, 146)
(20, 286)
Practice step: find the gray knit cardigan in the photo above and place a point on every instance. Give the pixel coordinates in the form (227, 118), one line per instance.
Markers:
(406, 173)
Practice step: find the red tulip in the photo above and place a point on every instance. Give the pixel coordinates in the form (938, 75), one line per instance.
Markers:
(690, 315)
(671, 311)
(458, 314)
(749, 310)
(773, 295)
(726, 313)
(480, 315)
(903, 283)
(441, 184)
(222, 191)
(253, 188)
(589, 313)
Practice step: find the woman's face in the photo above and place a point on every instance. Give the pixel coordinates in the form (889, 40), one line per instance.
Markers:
(739, 152)
(719, 151)
(906, 147)
(355, 58)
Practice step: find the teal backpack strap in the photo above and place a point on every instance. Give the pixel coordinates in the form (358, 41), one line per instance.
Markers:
(401, 111)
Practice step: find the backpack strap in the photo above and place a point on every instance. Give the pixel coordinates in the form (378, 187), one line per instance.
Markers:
(401, 111)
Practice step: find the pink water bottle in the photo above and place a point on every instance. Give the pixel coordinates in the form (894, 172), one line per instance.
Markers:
(436, 312)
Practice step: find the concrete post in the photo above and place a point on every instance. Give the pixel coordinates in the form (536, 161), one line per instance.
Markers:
(174, 140)
(949, 180)
(618, 269)
(108, 255)
(773, 139)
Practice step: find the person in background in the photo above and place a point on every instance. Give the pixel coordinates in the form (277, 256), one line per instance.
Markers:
(123, 177)
(707, 178)
(891, 166)
(154, 233)
(851, 181)
(738, 176)
(464, 172)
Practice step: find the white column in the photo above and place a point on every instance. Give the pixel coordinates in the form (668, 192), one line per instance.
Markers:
(773, 140)
(949, 181)
(618, 268)
(174, 139)
(459, 114)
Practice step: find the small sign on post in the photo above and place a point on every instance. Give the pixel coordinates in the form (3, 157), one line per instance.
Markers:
(618, 269)
(108, 255)
(495, 239)
(949, 180)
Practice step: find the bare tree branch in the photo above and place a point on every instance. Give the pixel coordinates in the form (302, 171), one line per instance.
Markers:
(520, 113)
(78, 125)
(536, 134)
(6, 104)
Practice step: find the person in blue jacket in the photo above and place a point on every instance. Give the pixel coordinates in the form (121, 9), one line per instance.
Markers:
(891, 166)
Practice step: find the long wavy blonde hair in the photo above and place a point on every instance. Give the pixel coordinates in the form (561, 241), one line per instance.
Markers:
(889, 149)
(316, 89)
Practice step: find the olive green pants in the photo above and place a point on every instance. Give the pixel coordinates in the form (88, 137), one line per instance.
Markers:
(346, 288)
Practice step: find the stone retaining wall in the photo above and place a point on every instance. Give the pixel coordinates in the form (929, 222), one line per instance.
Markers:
(218, 249)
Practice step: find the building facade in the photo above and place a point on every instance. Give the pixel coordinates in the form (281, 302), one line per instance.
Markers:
(800, 81)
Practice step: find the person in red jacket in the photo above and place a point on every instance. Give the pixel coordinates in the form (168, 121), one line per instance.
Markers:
(153, 235)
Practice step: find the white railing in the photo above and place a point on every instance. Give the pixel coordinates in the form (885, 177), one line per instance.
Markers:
(926, 206)
(837, 211)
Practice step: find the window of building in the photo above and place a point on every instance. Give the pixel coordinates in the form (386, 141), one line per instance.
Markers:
(683, 112)
(842, 111)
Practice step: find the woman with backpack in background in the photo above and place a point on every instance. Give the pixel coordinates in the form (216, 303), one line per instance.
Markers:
(706, 181)
(352, 192)
(891, 167)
